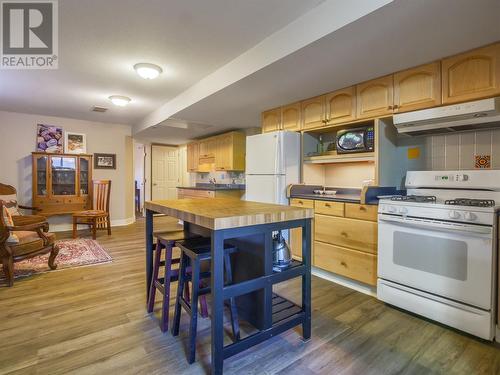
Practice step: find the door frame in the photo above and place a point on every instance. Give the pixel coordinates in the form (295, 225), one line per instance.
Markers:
(151, 163)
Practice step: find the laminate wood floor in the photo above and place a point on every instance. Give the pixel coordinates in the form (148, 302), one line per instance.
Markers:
(92, 320)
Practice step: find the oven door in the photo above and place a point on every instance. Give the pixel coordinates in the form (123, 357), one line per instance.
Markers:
(450, 260)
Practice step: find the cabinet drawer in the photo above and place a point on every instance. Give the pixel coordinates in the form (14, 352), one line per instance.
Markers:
(329, 208)
(187, 193)
(346, 262)
(361, 211)
(351, 233)
(306, 203)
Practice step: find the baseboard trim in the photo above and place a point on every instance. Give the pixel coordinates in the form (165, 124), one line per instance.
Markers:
(67, 227)
(344, 281)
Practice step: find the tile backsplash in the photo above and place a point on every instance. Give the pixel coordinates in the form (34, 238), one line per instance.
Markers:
(460, 150)
(221, 177)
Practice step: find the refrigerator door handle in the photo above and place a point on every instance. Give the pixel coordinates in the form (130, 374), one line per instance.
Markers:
(277, 155)
(277, 191)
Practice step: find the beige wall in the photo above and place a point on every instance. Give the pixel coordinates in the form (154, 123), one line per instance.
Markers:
(17, 141)
(346, 175)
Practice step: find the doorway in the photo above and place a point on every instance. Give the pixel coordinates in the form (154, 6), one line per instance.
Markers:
(164, 172)
(139, 177)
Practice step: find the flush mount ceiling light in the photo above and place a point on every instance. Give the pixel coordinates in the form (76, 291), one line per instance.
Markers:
(119, 100)
(148, 71)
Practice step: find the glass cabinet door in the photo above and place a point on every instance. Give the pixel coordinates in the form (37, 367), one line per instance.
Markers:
(41, 175)
(63, 173)
(84, 176)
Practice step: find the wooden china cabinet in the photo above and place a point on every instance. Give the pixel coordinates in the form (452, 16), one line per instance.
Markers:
(62, 183)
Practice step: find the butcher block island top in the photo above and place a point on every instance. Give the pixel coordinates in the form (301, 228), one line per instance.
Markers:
(225, 213)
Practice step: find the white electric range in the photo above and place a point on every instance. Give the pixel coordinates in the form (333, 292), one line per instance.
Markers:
(437, 248)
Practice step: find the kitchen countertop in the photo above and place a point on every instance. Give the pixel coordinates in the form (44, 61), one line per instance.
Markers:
(213, 187)
(224, 213)
(350, 198)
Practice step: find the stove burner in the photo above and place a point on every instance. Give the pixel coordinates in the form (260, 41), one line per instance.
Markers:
(415, 198)
(470, 202)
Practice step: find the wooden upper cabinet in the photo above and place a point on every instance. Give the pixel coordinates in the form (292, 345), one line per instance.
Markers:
(193, 156)
(471, 75)
(290, 117)
(224, 152)
(313, 112)
(271, 120)
(230, 152)
(417, 88)
(340, 106)
(207, 148)
(375, 98)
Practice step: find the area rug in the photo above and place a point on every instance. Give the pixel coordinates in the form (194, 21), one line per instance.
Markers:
(72, 253)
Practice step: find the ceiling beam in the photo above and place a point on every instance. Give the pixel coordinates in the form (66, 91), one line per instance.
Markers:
(324, 19)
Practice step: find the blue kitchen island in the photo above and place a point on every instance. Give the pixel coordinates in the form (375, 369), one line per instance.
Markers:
(249, 226)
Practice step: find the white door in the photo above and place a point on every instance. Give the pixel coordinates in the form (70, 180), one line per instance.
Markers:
(451, 260)
(164, 172)
(266, 189)
(264, 154)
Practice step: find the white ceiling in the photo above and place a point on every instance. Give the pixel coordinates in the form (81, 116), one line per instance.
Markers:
(400, 35)
(100, 41)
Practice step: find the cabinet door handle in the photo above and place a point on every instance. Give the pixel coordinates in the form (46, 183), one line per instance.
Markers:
(300, 202)
(344, 234)
(362, 208)
(343, 264)
(328, 205)
(390, 107)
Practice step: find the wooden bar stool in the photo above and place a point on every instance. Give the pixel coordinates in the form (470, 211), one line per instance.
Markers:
(196, 251)
(166, 241)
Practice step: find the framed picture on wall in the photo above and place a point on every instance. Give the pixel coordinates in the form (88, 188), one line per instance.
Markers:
(75, 143)
(104, 161)
(49, 138)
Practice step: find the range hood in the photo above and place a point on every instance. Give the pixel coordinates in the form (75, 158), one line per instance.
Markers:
(479, 114)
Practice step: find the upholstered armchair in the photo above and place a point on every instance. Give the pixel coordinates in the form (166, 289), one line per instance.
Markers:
(8, 194)
(23, 239)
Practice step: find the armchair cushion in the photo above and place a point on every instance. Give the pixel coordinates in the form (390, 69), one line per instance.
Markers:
(30, 242)
(7, 219)
(10, 201)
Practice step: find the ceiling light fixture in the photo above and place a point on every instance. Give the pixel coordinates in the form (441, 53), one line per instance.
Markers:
(119, 100)
(148, 71)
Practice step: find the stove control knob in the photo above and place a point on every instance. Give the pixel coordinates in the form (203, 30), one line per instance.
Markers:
(391, 209)
(469, 216)
(454, 215)
(403, 210)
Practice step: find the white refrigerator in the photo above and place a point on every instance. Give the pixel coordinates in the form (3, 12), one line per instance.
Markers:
(272, 163)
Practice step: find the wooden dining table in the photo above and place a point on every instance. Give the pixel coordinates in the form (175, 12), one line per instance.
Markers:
(250, 226)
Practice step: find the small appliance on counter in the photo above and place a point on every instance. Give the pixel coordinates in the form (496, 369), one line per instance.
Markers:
(355, 140)
(282, 256)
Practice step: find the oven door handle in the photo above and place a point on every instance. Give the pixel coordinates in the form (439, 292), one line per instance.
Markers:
(435, 225)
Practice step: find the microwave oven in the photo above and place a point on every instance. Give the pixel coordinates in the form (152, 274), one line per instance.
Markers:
(355, 140)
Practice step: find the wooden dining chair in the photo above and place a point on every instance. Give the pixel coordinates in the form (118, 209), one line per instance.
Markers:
(98, 216)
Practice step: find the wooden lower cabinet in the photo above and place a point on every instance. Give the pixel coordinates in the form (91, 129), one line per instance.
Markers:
(329, 208)
(197, 193)
(296, 234)
(361, 211)
(344, 238)
(355, 234)
(346, 262)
